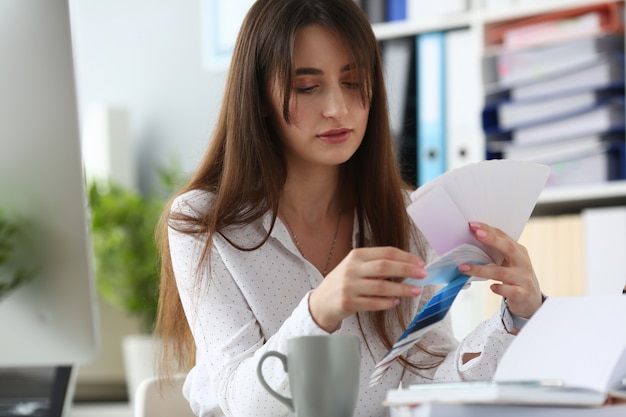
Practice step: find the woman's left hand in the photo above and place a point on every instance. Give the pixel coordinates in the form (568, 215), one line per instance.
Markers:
(517, 280)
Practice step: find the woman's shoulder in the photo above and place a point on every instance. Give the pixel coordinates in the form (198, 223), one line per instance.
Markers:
(192, 203)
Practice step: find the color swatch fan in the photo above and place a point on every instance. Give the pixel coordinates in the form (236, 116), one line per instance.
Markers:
(499, 192)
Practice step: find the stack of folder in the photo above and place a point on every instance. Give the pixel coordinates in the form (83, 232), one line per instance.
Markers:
(434, 99)
(555, 92)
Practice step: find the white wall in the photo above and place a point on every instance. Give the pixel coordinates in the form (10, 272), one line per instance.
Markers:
(145, 56)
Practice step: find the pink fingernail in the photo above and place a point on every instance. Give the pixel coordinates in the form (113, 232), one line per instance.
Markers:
(481, 234)
(464, 267)
(420, 273)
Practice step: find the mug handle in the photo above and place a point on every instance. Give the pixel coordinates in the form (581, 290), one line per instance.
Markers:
(287, 401)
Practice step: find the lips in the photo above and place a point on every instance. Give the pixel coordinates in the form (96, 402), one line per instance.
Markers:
(335, 136)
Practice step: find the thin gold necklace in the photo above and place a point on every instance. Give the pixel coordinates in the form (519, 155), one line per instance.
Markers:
(332, 246)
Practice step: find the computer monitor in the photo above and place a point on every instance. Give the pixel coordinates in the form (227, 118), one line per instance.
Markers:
(50, 322)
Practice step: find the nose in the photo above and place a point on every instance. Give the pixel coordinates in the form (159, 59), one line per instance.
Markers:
(335, 103)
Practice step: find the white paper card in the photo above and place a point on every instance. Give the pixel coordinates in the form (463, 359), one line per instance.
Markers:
(578, 340)
(436, 211)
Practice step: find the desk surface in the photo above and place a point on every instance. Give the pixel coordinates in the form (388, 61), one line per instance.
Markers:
(101, 410)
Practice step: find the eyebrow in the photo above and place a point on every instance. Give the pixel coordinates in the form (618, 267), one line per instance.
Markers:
(317, 71)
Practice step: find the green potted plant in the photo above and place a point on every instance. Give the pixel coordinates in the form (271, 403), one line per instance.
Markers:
(13, 273)
(122, 229)
(122, 224)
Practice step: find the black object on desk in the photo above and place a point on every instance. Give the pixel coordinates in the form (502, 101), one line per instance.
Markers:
(34, 391)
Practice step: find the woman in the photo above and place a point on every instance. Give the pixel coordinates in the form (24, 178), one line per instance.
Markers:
(296, 220)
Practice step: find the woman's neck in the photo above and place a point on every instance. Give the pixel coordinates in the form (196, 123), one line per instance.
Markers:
(319, 220)
(311, 197)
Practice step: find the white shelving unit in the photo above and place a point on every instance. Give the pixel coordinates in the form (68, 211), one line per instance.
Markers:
(553, 200)
(574, 198)
(476, 16)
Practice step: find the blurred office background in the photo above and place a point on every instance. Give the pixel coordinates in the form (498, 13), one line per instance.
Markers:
(150, 80)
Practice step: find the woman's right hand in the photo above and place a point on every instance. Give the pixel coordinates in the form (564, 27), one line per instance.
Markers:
(359, 283)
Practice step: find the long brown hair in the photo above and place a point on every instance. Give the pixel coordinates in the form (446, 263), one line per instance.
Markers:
(244, 167)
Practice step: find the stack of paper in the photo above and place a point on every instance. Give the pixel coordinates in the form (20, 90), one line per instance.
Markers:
(499, 410)
(570, 353)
